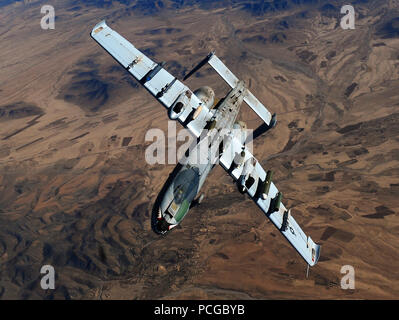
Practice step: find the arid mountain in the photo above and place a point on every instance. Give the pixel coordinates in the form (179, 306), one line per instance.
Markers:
(77, 193)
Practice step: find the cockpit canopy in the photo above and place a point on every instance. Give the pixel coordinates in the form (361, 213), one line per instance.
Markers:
(185, 188)
(185, 185)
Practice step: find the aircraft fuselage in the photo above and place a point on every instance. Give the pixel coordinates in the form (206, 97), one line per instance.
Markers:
(183, 189)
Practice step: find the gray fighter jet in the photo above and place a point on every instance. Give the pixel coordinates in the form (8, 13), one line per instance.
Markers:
(220, 139)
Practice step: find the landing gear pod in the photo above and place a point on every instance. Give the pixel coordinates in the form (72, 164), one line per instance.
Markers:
(266, 185)
(177, 109)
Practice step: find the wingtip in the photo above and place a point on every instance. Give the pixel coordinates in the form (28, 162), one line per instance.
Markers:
(98, 27)
(317, 248)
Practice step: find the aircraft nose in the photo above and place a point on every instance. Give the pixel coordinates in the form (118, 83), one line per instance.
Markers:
(162, 225)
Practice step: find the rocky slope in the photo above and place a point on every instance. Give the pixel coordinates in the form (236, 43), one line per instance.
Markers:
(76, 192)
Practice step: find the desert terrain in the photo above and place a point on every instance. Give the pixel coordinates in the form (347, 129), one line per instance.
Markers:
(77, 193)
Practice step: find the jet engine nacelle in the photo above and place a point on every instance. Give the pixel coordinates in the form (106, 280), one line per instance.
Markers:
(206, 95)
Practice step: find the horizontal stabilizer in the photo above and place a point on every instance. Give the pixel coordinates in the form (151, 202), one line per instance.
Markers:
(232, 81)
(258, 107)
(223, 71)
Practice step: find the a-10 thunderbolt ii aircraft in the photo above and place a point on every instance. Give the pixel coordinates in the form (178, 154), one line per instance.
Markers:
(196, 112)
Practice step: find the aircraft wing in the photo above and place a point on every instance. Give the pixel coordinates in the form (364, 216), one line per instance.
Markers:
(283, 221)
(167, 89)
